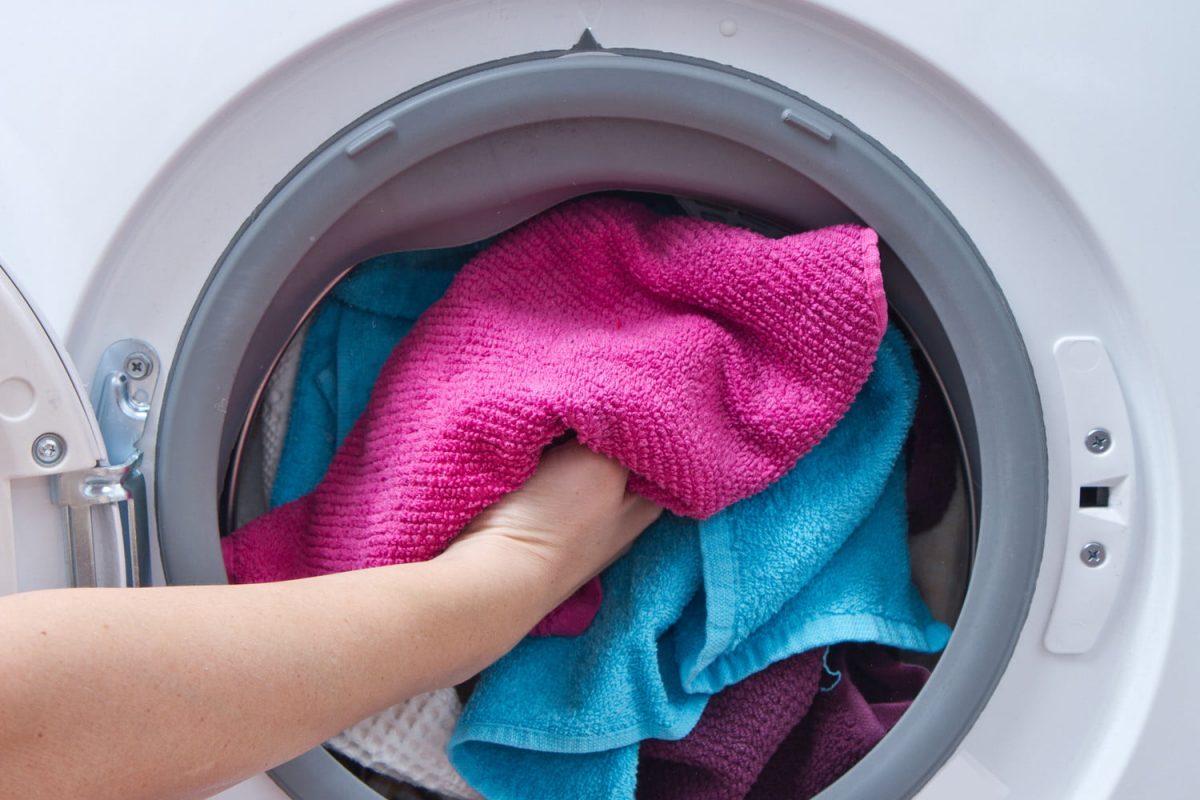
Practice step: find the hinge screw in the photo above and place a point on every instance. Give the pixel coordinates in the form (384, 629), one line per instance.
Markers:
(1093, 554)
(138, 365)
(1098, 440)
(49, 449)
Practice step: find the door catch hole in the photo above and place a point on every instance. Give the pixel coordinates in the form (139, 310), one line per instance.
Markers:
(1093, 496)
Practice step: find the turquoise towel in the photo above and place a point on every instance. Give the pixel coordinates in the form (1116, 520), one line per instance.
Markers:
(819, 558)
(353, 332)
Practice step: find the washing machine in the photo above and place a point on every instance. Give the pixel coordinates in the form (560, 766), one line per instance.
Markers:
(180, 184)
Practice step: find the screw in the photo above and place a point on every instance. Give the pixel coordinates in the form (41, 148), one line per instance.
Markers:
(138, 365)
(1093, 554)
(1098, 440)
(49, 449)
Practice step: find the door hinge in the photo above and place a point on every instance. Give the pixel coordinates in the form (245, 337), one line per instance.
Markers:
(107, 517)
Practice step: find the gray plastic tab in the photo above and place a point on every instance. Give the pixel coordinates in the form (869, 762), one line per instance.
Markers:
(369, 138)
(820, 131)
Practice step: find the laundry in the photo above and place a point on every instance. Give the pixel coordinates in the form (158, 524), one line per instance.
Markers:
(351, 335)
(315, 395)
(818, 558)
(277, 410)
(845, 723)
(941, 557)
(262, 447)
(705, 358)
(932, 455)
(741, 728)
(407, 742)
(939, 512)
(787, 732)
(354, 330)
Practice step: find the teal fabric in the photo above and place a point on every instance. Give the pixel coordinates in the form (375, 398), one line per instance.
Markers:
(353, 332)
(818, 558)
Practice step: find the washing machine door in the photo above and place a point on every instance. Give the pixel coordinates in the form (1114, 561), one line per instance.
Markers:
(72, 510)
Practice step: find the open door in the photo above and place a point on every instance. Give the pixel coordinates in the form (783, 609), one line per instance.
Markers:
(72, 501)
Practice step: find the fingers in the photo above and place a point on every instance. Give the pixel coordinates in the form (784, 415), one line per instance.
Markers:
(641, 511)
(637, 514)
(583, 458)
(575, 467)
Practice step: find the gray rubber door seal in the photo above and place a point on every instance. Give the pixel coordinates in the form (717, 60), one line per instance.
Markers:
(469, 156)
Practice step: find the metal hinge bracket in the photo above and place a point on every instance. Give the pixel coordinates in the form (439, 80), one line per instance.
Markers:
(107, 517)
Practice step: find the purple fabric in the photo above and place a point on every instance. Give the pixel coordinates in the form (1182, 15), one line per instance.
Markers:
(740, 729)
(785, 733)
(932, 455)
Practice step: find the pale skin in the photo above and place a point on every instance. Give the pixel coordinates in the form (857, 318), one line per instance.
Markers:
(178, 692)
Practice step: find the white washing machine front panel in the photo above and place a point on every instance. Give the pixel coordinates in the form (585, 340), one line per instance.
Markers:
(144, 136)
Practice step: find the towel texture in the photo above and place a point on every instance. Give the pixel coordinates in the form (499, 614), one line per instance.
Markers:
(739, 731)
(843, 725)
(787, 732)
(351, 335)
(818, 558)
(408, 742)
(707, 359)
(318, 390)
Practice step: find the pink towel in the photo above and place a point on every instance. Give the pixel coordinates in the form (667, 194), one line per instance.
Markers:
(707, 359)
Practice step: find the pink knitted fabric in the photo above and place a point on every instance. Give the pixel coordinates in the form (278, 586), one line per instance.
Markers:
(707, 359)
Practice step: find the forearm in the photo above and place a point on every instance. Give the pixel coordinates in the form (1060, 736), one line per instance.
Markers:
(147, 693)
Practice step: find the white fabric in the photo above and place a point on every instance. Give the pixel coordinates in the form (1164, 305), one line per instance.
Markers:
(408, 742)
(277, 407)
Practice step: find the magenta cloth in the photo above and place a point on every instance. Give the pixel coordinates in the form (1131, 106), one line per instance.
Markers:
(705, 358)
(785, 733)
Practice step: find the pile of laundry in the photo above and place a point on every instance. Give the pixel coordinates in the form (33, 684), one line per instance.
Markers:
(745, 647)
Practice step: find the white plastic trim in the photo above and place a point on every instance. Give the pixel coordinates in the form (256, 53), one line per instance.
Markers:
(38, 395)
(1093, 400)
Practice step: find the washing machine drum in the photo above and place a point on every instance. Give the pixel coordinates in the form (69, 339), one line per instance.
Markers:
(466, 157)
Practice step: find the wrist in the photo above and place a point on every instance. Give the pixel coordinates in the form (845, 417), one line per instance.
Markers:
(514, 587)
(514, 574)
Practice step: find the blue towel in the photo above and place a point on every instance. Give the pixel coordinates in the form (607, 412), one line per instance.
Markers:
(352, 334)
(818, 558)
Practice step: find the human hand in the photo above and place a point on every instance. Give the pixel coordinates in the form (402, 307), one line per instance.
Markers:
(567, 523)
